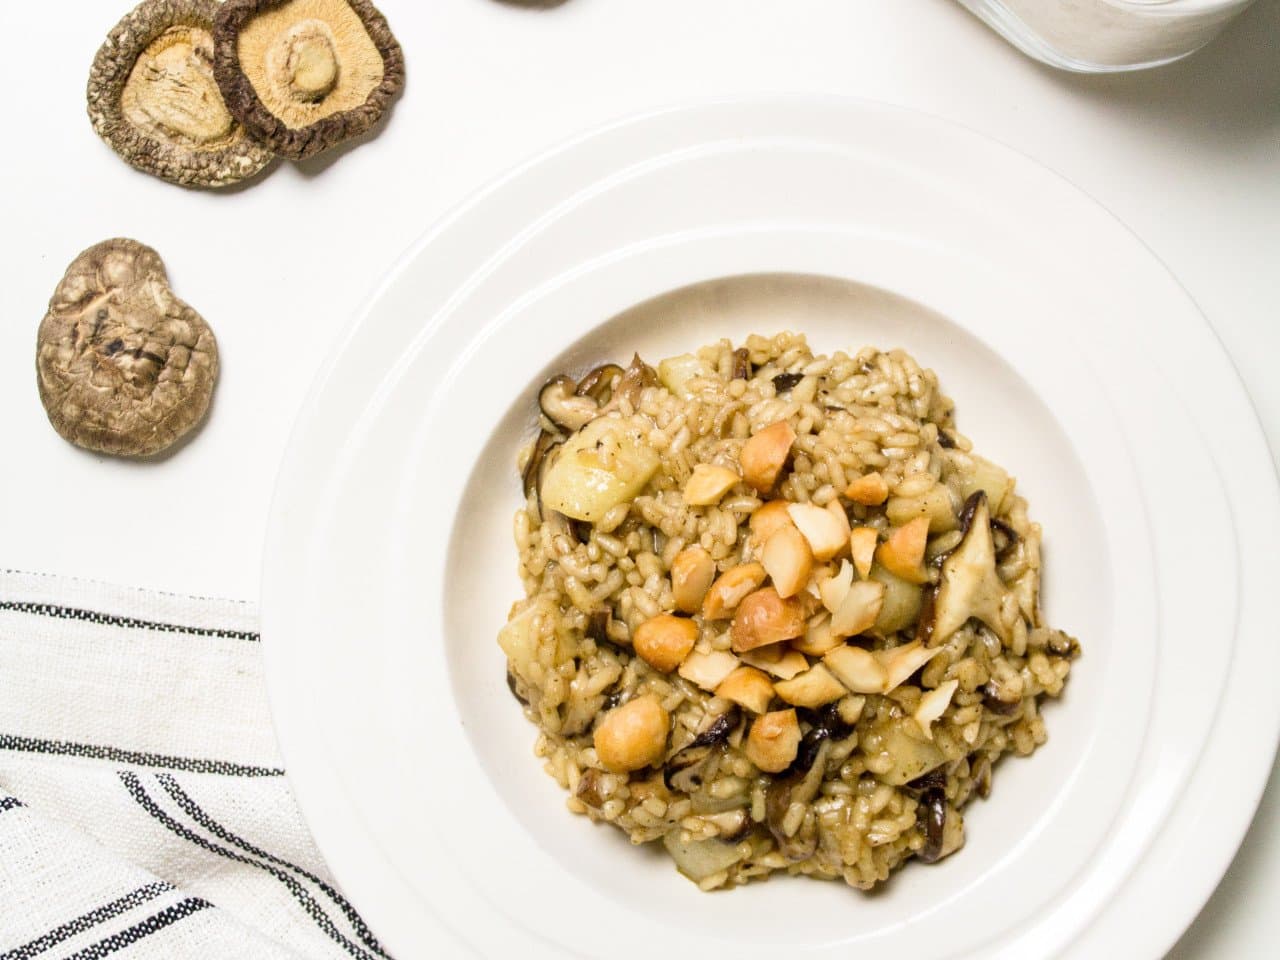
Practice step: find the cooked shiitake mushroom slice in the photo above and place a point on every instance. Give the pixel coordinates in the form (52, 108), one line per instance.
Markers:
(684, 770)
(560, 404)
(305, 75)
(783, 382)
(799, 785)
(123, 366)
(969, 586)
(599, 383)
(943, 826)
(153, 98)
(532, 475)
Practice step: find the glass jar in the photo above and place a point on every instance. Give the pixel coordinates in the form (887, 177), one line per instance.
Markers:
(1101, 36)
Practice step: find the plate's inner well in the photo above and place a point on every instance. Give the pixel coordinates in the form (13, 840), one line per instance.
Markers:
(997, 409)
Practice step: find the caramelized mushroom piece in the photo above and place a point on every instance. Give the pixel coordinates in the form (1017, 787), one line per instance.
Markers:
(799, 785)
(783, 382)
(532, 476)
(598, 384)
(969, 586)
(513, 684)
(992, 700)
(633, 382)
(943, 826)
(684, 770)
(565, 408)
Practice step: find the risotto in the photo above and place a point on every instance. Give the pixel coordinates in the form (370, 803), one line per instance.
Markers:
(778, 614)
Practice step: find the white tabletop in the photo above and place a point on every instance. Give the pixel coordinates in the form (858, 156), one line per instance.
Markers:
(1187, 156)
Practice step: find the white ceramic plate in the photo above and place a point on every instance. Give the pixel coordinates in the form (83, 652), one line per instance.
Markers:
(1075, 360)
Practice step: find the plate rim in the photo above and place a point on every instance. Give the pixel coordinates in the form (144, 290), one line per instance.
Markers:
(1208, 879)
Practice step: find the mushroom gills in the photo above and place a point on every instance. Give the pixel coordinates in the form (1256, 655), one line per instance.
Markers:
(153, 97)
(305, 75)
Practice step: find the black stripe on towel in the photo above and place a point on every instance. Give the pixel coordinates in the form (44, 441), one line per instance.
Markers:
(111, 620)
(8, 803)
(134, 785)
(118, 941)
(193, 810)
(88, 921)
(95, 751)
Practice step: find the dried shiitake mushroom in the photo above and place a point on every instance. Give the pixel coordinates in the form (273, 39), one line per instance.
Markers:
(123, 366)
(305, 75)
(152, 96)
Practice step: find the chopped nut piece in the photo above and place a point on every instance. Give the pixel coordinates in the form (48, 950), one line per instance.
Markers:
(773, 741)
(813, 688)
(857, 669)
(859, 609)
(768, 519)
(692, 573)
(777, 659)
(932, 704)
(665, 640)
(903, 552)
(818, 638)
(862, 545)
(632, 736)
(708, 670)
(708, 484)
(833, 590)
(787, 559)
(747, 687)
(727, 592)
(901, 662)
(763, 618)
(764, 455)
(870, 490)
(827, 534)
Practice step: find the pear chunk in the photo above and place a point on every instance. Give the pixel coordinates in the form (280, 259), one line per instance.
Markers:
(605, 463)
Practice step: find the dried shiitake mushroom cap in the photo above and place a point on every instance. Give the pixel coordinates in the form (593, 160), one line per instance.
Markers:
(305, 75)
(152, 96)
(123, 365)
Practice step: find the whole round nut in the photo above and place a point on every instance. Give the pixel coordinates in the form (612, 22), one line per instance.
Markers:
(123, 366)
(633, 736)
(665, 640)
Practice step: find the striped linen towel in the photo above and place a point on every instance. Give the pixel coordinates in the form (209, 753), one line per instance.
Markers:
(143, 805)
